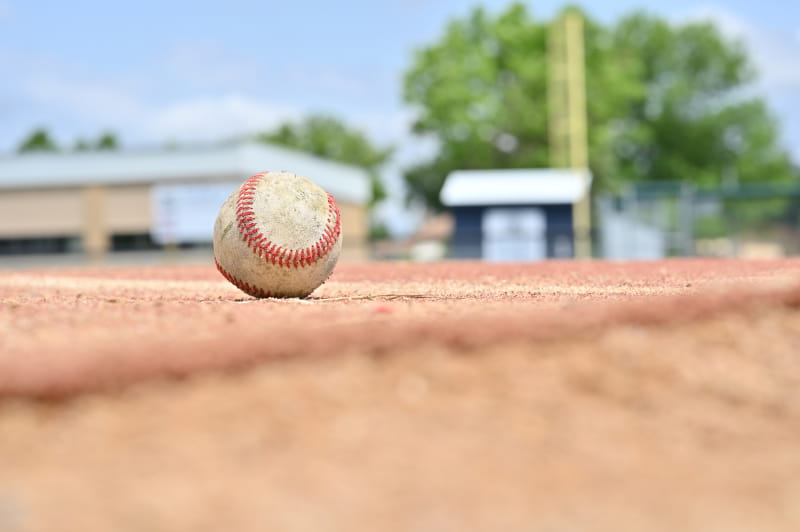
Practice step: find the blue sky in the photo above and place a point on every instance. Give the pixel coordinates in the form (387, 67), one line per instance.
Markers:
(157, 71)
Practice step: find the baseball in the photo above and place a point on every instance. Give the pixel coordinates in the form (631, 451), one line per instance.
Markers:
(278, 235)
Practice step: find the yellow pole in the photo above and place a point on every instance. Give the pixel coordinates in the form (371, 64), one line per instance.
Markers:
(567, 114)
(557, 95)
(579, 156)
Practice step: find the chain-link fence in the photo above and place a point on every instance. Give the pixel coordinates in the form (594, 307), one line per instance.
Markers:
(655, 220)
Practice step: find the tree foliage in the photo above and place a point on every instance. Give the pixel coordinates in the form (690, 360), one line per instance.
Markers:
(107, 141)
(663, 101)
(39, 140)
(81, 145)
(329, 137)
(694, 119)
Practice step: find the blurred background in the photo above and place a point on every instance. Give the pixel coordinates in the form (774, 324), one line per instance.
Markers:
(495, 130)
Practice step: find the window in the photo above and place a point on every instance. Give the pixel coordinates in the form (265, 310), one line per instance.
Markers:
(514, 234)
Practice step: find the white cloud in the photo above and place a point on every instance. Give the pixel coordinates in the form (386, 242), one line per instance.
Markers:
(330, 81)
(76, 106)
(204, 101)
(774, 53)
(209, 119)
(79, 105)
(729, 23)
(383, 126)
(209, 64)
(206, 64)
(96, 101)
(76, 102)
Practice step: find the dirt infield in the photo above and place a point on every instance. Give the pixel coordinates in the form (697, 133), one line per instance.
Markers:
(453, 396)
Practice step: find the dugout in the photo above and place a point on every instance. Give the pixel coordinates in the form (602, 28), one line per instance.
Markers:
(514, 214)
(121, 200)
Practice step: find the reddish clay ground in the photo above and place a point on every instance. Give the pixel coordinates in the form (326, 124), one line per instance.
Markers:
(455, 396)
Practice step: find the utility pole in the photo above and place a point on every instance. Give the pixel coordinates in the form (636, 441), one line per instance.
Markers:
(566, 98)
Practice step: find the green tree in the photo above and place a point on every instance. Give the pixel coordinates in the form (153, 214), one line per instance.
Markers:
(663, 102)
(107, 141)
(38, 141)
(329, 137)
(694, 119)
(81, 145)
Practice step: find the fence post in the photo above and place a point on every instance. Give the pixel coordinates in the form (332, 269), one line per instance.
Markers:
(686, 215)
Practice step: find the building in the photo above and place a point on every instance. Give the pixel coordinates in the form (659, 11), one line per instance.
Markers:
(515, 214)
(106, 201)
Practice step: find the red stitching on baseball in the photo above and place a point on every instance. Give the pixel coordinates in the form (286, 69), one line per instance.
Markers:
(271, 252)
(241, 285)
